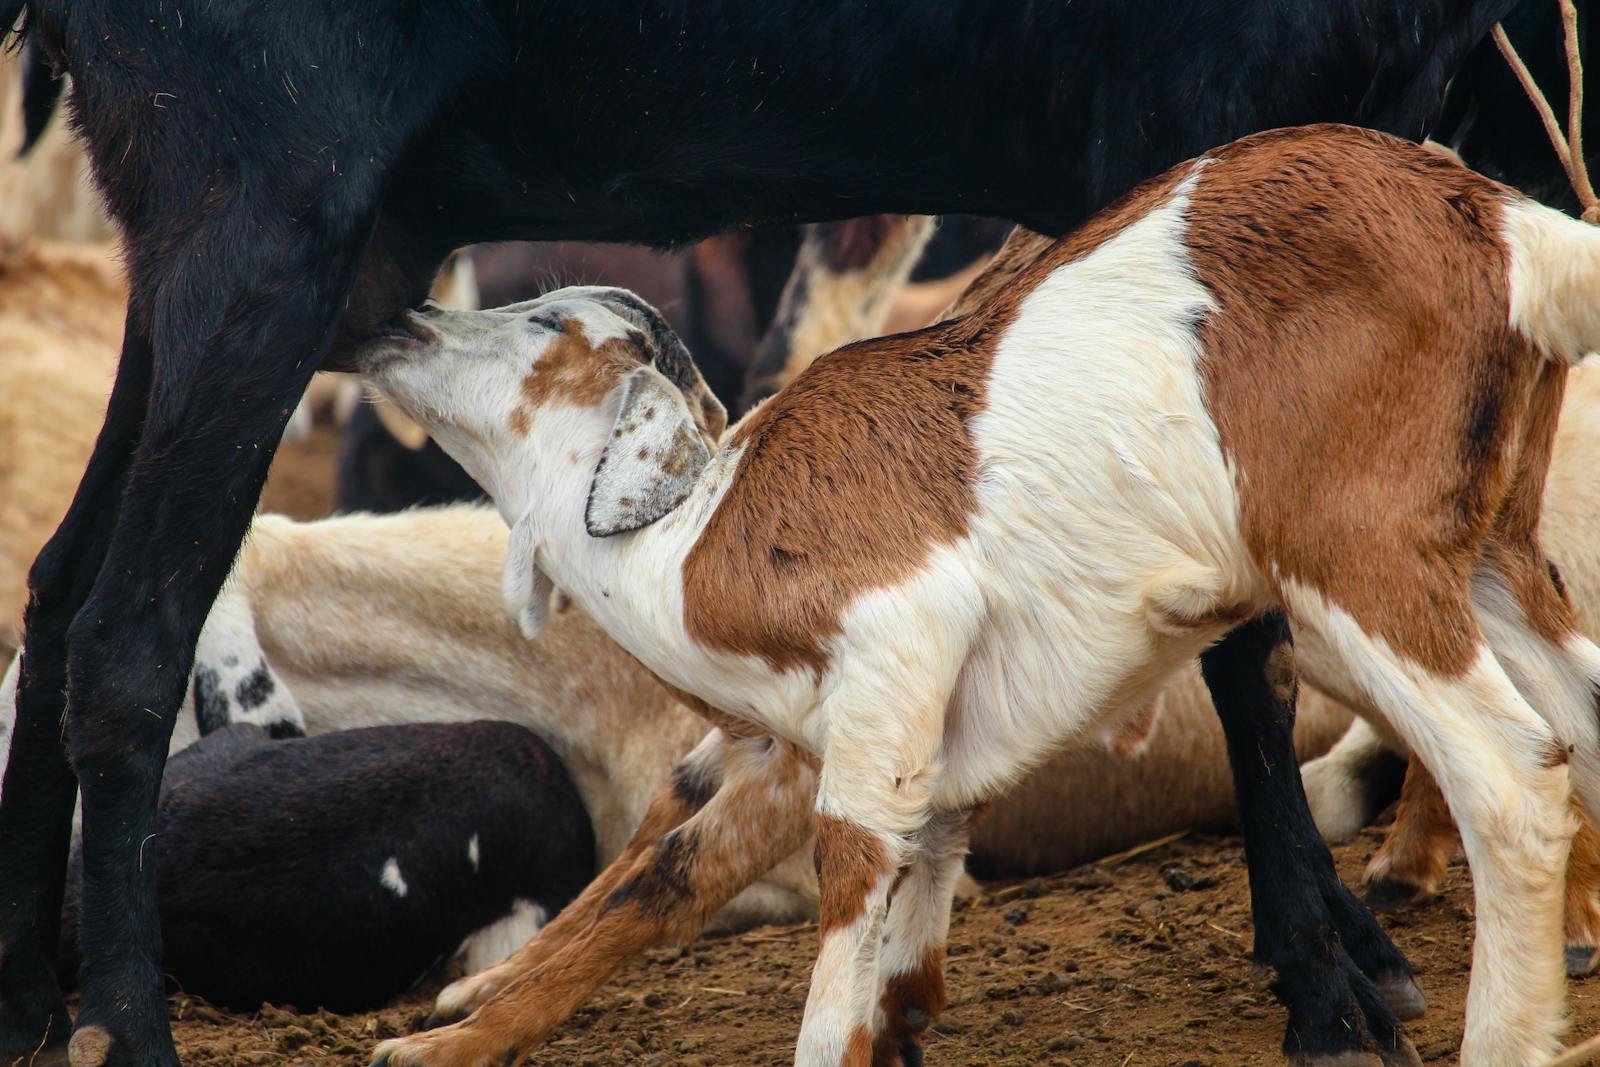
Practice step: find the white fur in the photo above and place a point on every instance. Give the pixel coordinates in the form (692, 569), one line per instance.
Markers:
(486, 947)
(1486, 747)
(1554, 261)
(391, 878)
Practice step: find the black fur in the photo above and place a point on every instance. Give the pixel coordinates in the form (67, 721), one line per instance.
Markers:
(269, 855)
(41, 89)
(288, 176)
(1326, 955)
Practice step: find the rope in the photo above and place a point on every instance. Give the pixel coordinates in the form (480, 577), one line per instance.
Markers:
(1569, 153)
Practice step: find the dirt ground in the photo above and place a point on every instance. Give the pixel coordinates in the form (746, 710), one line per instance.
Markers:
(1144, 961)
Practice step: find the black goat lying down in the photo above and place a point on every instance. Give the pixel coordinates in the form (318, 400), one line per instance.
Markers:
(334, 871)
(287, 181)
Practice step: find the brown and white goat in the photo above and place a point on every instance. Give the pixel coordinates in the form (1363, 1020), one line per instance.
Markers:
(1317, 368)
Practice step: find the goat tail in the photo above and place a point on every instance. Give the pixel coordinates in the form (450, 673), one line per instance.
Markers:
(1554, 279)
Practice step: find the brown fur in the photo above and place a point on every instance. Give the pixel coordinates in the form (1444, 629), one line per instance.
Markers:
(858, 1053)
(61, 312)
(858, 469)
(1583, 886)
(1432, 313)
(566, 372)
(846, 481)
(910, 1004)
(849, 863)
(1417, 849)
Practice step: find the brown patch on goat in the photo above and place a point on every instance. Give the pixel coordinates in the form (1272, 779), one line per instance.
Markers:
(1583, 884)
(911, 1002)
(859, 469)
(1340, 300)
(1515, 553)
(572, 371)
(858, 1052)
(850, 861)
(1417, 849)
(1555, 755)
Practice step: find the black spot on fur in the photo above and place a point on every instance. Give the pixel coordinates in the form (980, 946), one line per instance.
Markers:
(256, 689)
(693, 785)
(1555, 578)
(659, 888)
(211, 705)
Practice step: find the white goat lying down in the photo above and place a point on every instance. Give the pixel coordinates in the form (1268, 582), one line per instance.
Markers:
(1317, 369)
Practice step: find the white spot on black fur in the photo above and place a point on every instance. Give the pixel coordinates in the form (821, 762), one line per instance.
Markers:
(391, 878)
(472, 851)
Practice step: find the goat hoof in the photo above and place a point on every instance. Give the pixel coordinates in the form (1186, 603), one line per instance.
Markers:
(1403, 995)
(1342, 1058)
(436, 1020)
(33, 1013)
(1582, 960)
(1404, 1054)
(1384, 894)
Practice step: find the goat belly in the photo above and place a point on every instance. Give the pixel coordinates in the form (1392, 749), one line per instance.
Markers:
(334, 871)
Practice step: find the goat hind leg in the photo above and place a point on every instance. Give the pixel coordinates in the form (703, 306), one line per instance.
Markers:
(1299, 906)
(911, 960)
(1411, 862)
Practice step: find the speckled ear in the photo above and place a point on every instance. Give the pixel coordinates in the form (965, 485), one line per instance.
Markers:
(652, 460)
(526, 588)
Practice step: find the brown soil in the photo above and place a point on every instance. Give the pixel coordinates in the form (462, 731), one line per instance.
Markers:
(1114, 965)
(300, 484)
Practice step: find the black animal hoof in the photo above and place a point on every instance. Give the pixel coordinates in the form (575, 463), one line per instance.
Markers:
(911, 1053)
(1384, 894)
(1582, 960)
(34, 1021)
(435, 1020)
(1403, 1054)
(1344, 1058)
(1403, 995)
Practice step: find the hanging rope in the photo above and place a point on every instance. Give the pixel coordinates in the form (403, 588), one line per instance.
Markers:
(1569, 152)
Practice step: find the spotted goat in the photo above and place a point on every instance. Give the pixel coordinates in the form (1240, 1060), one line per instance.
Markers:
(1315, 370)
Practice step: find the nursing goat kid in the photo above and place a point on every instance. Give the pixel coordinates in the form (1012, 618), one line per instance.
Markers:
(1317, 369)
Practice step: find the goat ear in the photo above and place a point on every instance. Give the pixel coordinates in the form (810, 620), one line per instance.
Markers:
(526, 588)
(651, 461)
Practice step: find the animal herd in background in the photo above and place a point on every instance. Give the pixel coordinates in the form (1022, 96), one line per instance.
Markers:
(735, 762)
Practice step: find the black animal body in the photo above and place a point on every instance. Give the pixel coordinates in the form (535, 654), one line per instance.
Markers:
(287, 177)
(333, 871)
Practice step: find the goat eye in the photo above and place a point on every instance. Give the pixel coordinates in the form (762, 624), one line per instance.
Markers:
(547, 322)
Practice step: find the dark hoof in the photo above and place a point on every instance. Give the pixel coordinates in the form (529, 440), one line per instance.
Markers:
(911, 1053)
(1403, 995)
(1404, 1054)
(1582, 960)
(435, 1020)
(1346, 1058)
(1384, 894)
(34, 1021)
